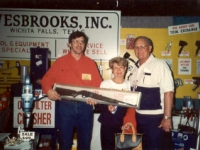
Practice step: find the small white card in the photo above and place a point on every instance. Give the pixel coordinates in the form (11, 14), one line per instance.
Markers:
(27, 136)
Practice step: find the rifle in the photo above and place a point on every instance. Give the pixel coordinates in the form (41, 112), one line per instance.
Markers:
(84, 94)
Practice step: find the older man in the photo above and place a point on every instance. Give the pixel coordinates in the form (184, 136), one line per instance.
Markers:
(153, 78)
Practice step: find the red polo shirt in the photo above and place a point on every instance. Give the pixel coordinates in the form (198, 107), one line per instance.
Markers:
(68, 70)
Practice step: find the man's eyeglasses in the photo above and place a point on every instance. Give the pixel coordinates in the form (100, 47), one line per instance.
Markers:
(78, 42)
(140, 47)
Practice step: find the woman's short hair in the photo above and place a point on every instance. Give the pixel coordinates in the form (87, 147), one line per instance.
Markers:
(118, 60)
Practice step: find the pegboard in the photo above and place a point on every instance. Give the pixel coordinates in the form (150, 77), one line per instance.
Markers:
(160, 39)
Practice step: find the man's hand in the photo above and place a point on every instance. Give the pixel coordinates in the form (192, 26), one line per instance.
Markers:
(53, 95)
(91, 101)
(166, 125)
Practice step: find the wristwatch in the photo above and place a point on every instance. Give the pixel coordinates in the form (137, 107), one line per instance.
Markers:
(167, 117)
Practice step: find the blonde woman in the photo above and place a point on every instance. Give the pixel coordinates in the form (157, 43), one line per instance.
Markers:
(112, 117)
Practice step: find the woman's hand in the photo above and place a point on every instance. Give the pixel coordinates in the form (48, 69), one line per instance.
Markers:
(125, 127)
(112, 108)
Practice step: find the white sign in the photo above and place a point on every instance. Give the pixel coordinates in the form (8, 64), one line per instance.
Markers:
(184, 53)
(198, 66)
(184, 66)
(165, 53)
(27, 136)
(188, 81)
(44, 113)
(24, 28)
(184, 28)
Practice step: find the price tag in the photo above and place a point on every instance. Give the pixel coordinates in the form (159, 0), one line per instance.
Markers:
(27, 136)
(20, 130)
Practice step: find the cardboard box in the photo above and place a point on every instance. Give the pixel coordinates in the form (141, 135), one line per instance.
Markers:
(102, 95)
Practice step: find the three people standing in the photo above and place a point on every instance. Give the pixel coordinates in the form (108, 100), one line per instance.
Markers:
(151, 76)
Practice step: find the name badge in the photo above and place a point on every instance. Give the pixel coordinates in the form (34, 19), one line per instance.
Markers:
(86, 76)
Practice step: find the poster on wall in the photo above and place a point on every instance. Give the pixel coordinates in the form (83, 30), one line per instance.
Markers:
(184, 66)
(44, 113)
(130, 41)
(24, 28)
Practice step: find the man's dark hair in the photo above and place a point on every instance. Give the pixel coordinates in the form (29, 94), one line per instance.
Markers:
(78, 34)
